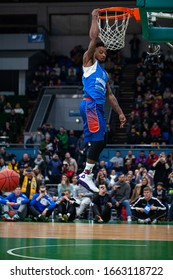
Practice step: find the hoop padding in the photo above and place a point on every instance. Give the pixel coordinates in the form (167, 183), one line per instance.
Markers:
(113, 25)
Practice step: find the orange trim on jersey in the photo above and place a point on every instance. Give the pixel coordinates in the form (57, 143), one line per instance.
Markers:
(87, 98)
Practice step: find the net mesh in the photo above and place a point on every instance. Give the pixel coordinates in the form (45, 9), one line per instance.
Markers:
(112, 31)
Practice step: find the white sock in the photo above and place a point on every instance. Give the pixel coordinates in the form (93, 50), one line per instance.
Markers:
(89, 167)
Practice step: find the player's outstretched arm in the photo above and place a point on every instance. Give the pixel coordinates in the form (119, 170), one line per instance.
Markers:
(88, 58)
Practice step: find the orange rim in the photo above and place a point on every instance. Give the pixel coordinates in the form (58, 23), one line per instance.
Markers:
(133, 12)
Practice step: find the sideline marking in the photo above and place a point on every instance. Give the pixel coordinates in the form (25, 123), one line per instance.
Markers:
(10, 252)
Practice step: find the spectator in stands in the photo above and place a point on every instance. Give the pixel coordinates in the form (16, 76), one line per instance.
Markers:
(65, 185)
(18, 109)
(102, 205)
(160, 193)
(148, 209)
(7, 156)
(47, 147)
(66, 207)
(83, 197)
(117, 162)
(10, 131)
(63, 138)
(102, 178)
(54, 169)
(13, 165)
(29, 183)
(72, 143)
(25, 161)
(162, 170)
(130, 181)
(38, 137)
(71, 76)
(41, 205)
(133, 122)
(155, 132)
(3, 164)
(130, 156)
(40, 164)
(145, 138)
(120, 196)
(81, 150)
(129, 165)
(133, 137)
(8, 107)
(152, 157)
(113, 177)
(138, 190)
(48, 128)
(17, 203)
(141, 158)
(71, 162)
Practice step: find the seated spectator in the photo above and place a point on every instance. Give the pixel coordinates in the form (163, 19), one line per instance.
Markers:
(141, 158)
(133, 137)
(113, 177)
(160, 193)
(72, 143)
(38, 137)
(66, 207)
(130, 156)
(65, 185)
(25, 161)
(40, 164)
(138, 190)
(41, 205)
(145, 138)
(8, 107)
(117, 162)
(120, 196)
(15, 203)
(18, 109)
(13, 165)
(29, 183)
(129, 166)
(3, 164)
(101, 178)
(102, 205)
(83, 198)
(155, 132)
(81, 150)
(54, 169)
(148, 209)
(152, 157)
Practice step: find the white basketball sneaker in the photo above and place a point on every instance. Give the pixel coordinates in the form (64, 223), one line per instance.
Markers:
(86, 181)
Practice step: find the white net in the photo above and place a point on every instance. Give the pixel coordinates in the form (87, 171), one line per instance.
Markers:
(112, 32)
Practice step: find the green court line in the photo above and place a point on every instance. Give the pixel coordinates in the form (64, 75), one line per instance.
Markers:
(82, 249)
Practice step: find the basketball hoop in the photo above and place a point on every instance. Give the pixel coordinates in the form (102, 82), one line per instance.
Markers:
(113, 23)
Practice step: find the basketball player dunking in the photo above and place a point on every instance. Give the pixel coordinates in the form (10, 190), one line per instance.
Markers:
(96, 89)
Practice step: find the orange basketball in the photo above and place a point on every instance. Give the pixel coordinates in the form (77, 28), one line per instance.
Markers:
(9, 180)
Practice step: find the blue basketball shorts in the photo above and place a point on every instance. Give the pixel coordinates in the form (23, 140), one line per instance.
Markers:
(94, 122)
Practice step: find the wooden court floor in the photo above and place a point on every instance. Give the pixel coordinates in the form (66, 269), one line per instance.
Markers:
(85, 241)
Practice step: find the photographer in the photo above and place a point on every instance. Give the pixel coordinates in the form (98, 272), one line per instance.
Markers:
(41, 205)
(162, 170)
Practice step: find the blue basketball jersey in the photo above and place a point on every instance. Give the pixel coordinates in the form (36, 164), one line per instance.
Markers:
(94, 81)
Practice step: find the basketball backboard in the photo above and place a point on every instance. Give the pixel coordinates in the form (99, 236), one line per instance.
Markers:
(156, 20)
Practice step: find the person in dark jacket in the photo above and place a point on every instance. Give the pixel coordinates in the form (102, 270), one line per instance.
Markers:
(102, 205)
(148, 209)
